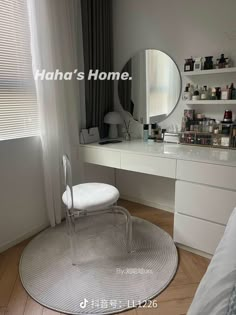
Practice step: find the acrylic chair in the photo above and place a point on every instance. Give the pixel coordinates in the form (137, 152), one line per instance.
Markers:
(90, 199)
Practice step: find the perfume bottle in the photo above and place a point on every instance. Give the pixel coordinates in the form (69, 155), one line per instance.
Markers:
(204, 94)
(189, 64)
(191, 91)
(225, 93)
(218, 93)
(153, 129)
(232, 92)
(222, 61)
(196, 94)
(213, 94)
(187, 94)
(198, 64)
(208, 64)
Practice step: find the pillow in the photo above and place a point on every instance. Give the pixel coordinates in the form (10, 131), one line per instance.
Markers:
(232, 303)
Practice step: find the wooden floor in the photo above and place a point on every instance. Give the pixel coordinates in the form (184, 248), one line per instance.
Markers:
(175, 299)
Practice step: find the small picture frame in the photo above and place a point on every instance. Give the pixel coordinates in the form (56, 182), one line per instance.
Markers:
(90, 135)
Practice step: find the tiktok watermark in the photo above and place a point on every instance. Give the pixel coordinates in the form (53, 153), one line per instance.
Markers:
(58, 75)
(116, 304)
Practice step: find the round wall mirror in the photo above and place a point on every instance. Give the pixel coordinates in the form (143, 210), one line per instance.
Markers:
(155, 88)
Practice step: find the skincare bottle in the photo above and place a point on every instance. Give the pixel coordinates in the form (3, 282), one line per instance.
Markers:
(196, 94)
(145, 132)
(204, 94)
(189, 64)
(225, 93)
(213, 94)
(222, 61)
(208, 64)
(186, 94)
(158, 135)
(153, 130)
(218, 93)
(198, 64)
(232, 92)
(191, 91)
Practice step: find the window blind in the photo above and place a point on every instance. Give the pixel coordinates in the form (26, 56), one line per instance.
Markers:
(18, 102)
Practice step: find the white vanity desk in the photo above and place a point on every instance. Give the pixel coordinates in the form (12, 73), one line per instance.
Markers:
(205, 183)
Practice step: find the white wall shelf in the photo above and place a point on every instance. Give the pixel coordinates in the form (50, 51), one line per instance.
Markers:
(207, 72)
(212, 102)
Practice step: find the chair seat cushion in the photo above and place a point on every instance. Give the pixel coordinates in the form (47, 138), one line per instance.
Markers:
(92, 196)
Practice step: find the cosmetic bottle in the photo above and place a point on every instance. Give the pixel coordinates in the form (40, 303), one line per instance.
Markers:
(189, 64)
(232, 92)
(204, 94)
(218, 93)
(222, 61)
(208, 64)
(196, 94)
(225, 93)
(186, 94)
(145, 132)
(153, 130)
(191, 91)
(158, 134)
(213, 94)
(198, 64)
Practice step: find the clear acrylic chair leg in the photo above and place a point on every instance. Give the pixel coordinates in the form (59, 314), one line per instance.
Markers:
(128, 226)
(72, 238)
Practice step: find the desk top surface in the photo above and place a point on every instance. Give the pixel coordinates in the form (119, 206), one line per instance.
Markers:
(173, 151)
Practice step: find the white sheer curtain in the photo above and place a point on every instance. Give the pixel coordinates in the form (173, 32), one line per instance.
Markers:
(54, 28)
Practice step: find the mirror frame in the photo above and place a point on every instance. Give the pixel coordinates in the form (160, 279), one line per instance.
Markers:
(181, 81)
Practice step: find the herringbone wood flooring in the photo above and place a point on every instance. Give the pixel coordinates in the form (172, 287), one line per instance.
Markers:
(174, 300)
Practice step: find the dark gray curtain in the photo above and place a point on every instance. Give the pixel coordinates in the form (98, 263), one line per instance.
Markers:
(98, 54)
(124, 89)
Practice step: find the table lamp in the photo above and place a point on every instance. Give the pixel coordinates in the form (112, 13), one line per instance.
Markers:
(113, 119)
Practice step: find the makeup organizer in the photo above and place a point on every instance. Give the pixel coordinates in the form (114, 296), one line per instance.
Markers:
(209, 81)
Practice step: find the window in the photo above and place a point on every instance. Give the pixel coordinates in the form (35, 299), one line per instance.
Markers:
(18, 102)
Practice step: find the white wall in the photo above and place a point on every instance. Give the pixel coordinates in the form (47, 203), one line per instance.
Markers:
(22, 201)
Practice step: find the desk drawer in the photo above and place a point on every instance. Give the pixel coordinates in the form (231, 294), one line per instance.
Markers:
(195, 233)
(148, 164)
(209, 174)
(204, 202)
(101, 157)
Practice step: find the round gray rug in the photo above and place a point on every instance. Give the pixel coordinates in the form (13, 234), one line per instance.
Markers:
(107, 279)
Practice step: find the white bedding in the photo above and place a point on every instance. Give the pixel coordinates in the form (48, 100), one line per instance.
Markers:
(215, 290)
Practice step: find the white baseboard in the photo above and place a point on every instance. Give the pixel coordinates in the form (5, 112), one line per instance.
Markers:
(148, 203)
(194, 251)
(23, 237)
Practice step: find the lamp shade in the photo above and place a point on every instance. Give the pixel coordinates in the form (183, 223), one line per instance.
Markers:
(113, 118)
